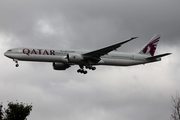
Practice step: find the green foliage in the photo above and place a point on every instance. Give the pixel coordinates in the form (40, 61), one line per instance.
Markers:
(15, 111)
(1, 112)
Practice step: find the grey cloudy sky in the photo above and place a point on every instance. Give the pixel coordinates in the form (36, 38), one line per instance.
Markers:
(139, 92)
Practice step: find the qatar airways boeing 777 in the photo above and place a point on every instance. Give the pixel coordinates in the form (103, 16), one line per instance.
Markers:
(63, 59)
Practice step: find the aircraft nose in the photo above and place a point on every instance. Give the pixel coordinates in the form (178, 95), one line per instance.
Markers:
(7, 54)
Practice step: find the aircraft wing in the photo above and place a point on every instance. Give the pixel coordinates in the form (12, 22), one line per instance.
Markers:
(103, 51)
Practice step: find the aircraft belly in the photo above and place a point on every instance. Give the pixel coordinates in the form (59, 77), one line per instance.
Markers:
(120, 62)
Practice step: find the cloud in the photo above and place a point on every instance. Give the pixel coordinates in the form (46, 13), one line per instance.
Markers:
(45, 28)
(138, 92)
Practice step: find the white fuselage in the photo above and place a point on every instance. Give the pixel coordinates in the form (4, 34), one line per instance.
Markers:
(63, 59)
(51, 55)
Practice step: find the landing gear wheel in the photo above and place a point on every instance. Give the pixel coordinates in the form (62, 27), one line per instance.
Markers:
(90, 67)
(17, 65)
(16, 61)
(79, 70)
(93, 68)
(82, 71)
(85, 72)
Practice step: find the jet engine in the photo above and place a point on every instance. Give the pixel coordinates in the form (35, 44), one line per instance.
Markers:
(74, 58)
(60, 66)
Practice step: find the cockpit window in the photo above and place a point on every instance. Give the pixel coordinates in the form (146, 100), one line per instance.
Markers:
(10, 50)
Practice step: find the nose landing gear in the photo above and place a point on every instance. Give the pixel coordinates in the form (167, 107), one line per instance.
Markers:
(17, 65)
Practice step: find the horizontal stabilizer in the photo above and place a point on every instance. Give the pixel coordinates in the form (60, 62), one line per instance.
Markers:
(158, 56)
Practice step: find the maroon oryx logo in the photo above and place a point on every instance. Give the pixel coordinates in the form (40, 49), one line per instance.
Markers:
(151, 47)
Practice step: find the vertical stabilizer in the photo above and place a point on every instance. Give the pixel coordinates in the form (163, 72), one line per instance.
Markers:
(150, 47)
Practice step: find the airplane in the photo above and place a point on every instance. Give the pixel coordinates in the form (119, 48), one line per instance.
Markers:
(63, 59)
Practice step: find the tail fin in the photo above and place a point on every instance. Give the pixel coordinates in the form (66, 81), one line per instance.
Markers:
(150, 47)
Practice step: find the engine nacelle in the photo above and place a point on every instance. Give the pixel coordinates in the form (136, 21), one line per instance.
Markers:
(74, 58)
(60, 66)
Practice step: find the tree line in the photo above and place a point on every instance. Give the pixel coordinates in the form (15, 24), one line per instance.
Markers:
(20, 111)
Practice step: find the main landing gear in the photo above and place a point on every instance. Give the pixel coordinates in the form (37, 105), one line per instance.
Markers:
(81, 70)
(17, 65)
